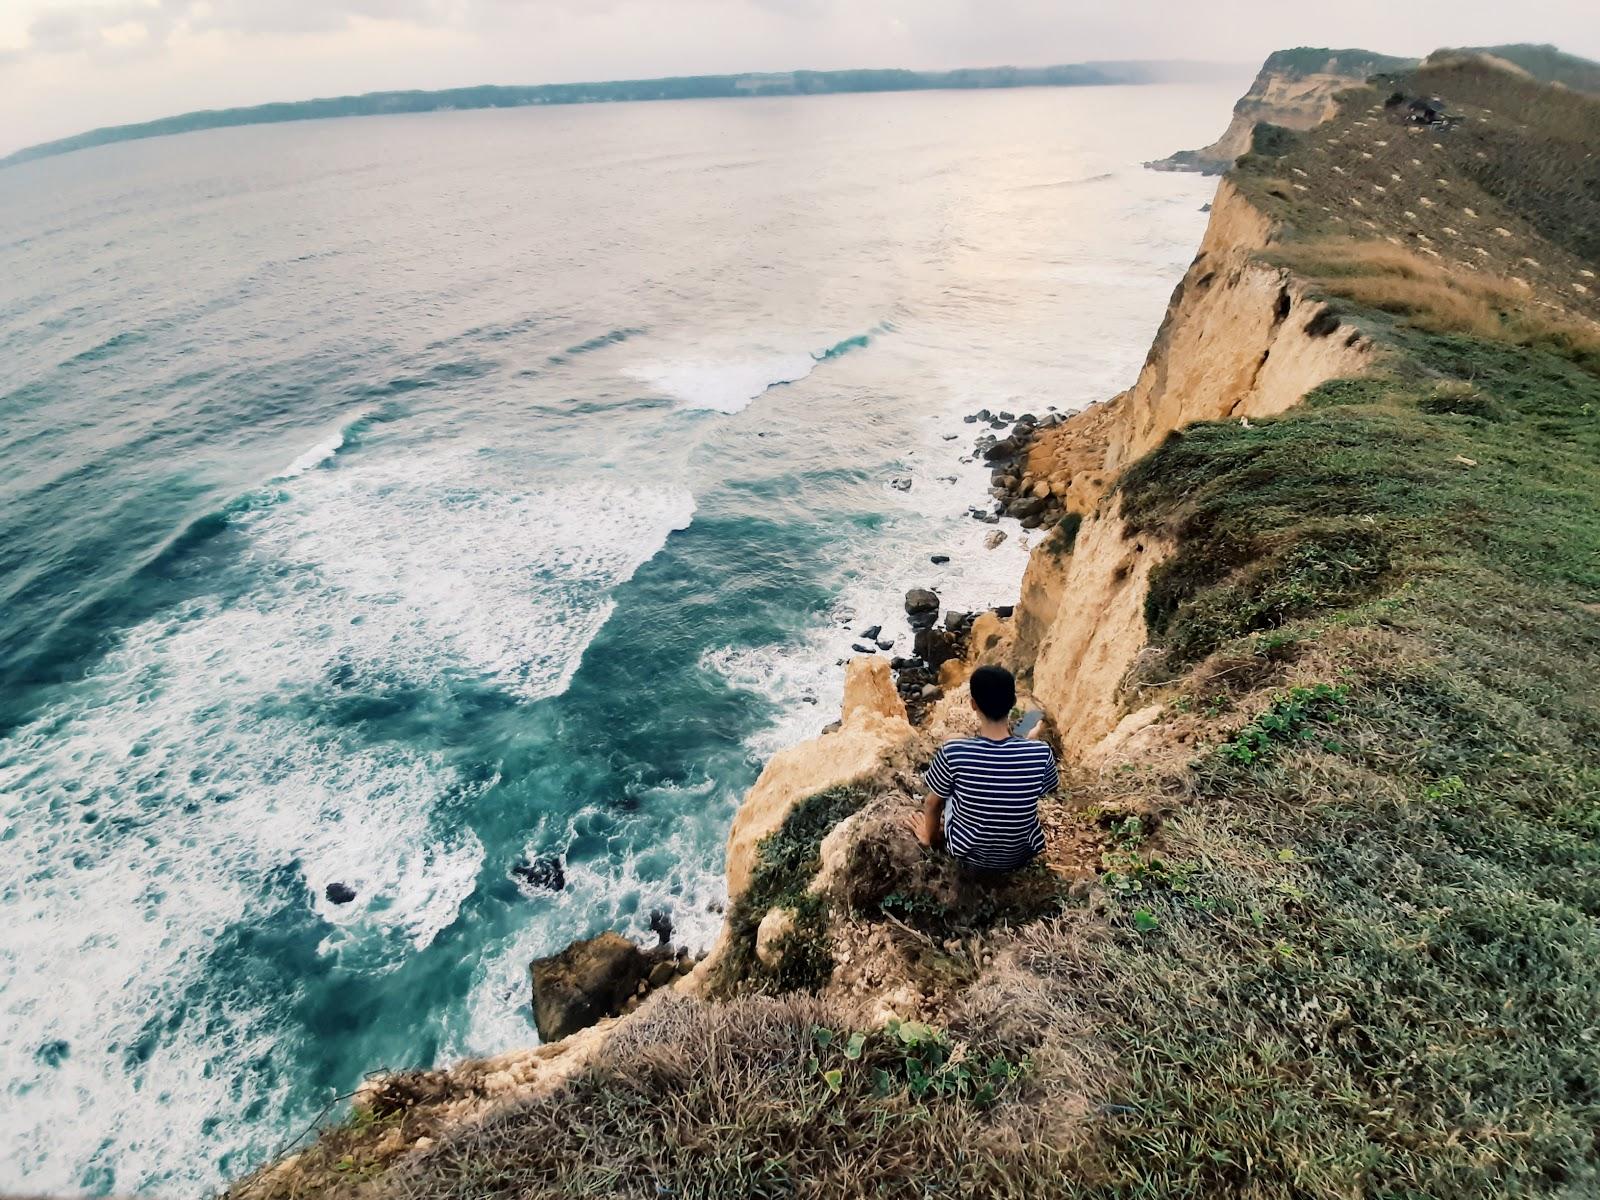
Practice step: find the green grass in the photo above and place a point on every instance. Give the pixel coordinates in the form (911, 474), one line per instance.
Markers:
(1380, 975)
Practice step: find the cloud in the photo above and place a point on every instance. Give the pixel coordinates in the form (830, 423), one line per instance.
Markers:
(96, 28)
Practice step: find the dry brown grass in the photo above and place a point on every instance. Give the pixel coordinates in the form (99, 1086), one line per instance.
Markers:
(1436, 296)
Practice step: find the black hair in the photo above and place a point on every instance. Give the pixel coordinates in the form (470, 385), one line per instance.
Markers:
(994, 691)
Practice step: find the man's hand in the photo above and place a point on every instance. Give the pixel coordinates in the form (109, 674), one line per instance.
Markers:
(919, 828)
(928, 824)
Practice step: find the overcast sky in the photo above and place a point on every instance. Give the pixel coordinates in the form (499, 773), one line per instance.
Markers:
(69, 65)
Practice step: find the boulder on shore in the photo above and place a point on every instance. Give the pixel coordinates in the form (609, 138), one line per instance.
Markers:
(1004, 448)
(922, 607)
(584, 983)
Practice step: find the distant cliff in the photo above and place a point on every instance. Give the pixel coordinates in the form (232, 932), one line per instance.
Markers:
(1295, 89)
(682, 87)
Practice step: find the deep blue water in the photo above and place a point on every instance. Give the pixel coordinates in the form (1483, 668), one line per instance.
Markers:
(388, 501)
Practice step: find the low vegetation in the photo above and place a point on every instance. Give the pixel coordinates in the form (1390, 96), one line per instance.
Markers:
(1437, 297)
(762, 1097)
(1386, 944)
(786, 863)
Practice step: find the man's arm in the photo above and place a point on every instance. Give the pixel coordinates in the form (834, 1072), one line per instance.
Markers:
(929, 823)
(930, 829)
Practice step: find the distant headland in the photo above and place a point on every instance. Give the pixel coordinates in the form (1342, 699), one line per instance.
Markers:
(678, 87)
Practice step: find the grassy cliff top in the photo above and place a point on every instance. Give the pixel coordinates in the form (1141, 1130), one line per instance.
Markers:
(1318, 60)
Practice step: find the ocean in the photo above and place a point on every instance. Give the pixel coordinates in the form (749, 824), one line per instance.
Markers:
(392, 502)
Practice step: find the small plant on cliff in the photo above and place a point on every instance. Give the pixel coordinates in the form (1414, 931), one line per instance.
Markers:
(1292, 717)
(916, 1060)
(1064, 537)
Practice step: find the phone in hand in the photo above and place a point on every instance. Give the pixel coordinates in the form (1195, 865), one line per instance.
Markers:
(1029, 722)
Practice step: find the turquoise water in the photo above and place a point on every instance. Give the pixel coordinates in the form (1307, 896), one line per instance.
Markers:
(390, 502)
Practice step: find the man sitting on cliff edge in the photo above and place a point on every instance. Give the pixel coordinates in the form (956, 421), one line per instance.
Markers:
(984, 791)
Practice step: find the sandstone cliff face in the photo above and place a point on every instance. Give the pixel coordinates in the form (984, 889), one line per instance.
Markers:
(1240, 339)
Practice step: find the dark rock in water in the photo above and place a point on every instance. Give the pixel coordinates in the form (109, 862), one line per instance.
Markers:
(808, 699)
(1205, 208)
(921, 601)
(938, 560)
(937, 646)
(1026, 506)
(661, 925)
(832, 727)
(997, 423)
(983, 414)
(1027, 419)
(954, 620)
(971, 419)
(900, 485)
(860, 649)
(586, 982)
(872, 631)
(884, 644)
(950, 437)
(1004, 448)
(988, 518)
(340, 893)
(1004, 416)
(545, 872)
(1004, 610)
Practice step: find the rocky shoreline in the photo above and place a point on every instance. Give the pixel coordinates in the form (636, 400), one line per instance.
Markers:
(608, 975)
(1035, 503)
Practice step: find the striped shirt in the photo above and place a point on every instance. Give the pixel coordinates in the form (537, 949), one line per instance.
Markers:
(991, 792)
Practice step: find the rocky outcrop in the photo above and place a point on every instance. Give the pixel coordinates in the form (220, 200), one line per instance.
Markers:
(596, 978)
(586, 981)
(872, 726)
(1294, 89)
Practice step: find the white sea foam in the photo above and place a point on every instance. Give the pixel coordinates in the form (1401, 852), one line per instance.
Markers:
(204, 779)
(725, 385)
(728, 379)
(323, 450)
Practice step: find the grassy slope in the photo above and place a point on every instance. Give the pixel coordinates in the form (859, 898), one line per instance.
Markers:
(1383, 975)
(1360, 954)
(1372, 958)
